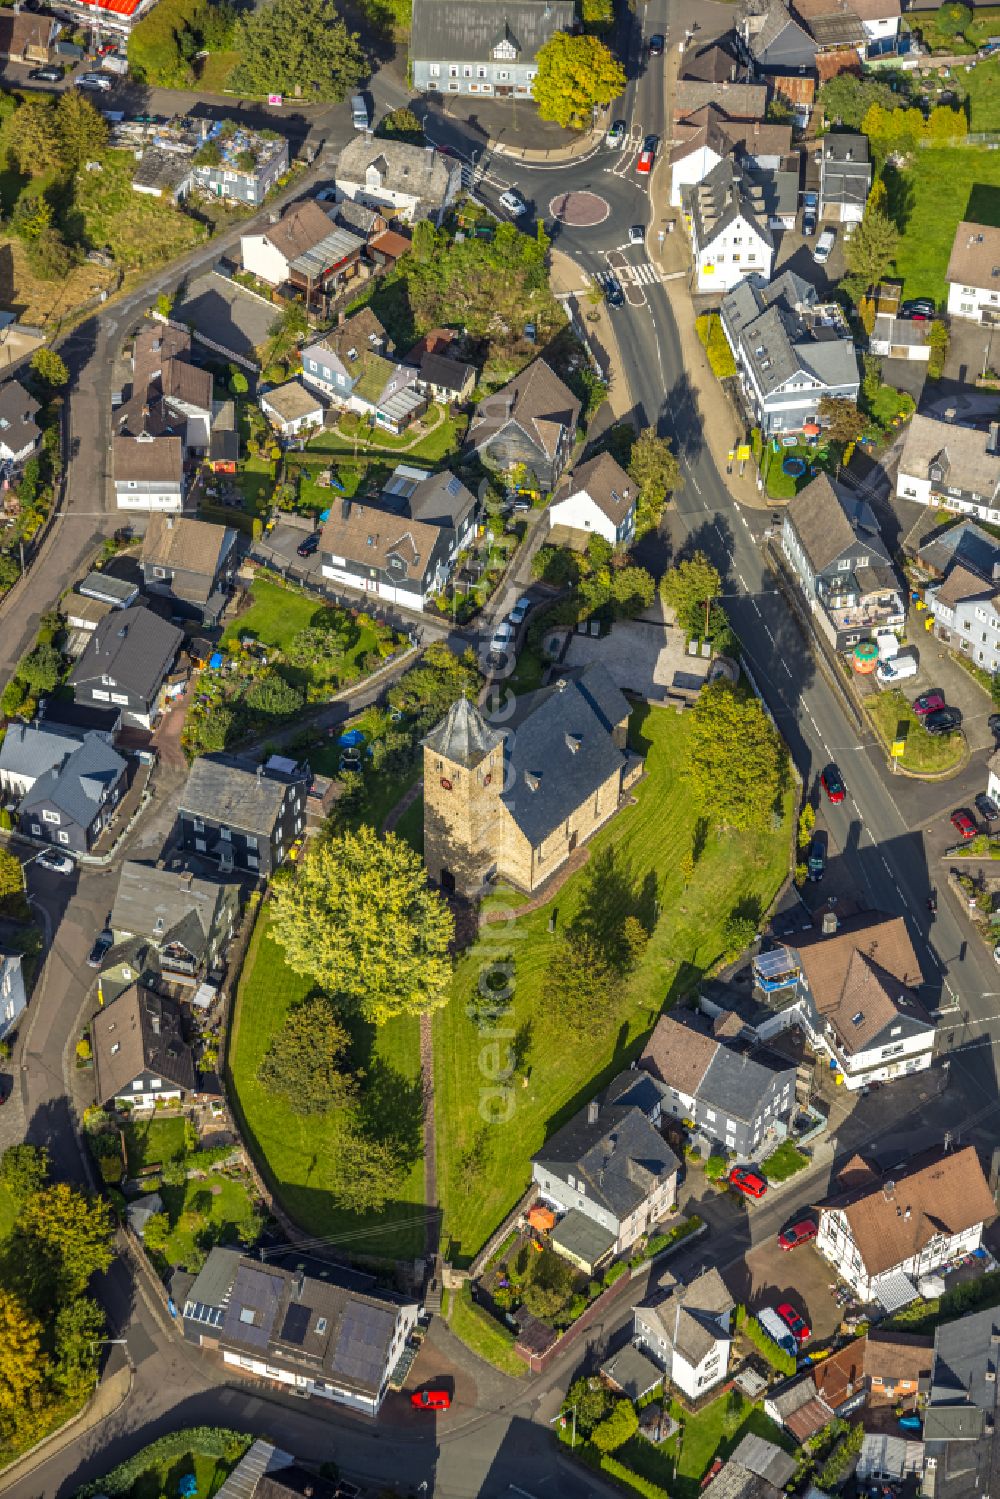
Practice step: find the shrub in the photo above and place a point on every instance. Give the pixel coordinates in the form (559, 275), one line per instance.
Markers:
(938, 340)
(841, 1459)
(616, 1271)
(644, 1486)
(614, 1431)
(715, 1167)
(216, 1442)
(716, 345)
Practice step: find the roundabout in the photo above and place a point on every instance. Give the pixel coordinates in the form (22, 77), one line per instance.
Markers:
(581, 210)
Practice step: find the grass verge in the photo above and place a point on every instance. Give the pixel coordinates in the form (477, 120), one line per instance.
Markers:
(924, 754)
(784, 1162)
(483, 1334)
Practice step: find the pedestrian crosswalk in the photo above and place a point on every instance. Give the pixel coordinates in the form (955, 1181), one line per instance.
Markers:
(642, 275)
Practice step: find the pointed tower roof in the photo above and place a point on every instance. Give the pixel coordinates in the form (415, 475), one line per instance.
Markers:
(463, 735)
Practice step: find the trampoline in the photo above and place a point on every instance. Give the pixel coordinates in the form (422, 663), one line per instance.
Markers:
(793, 467)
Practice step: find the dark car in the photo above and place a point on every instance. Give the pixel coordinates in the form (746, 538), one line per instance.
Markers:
(987, 807)
(650, 144)
(943, 721)
(993, 724)
(6, 1086)
(928, 702)
(797, 1233)
(46, 75)
(921, 307)
(656, 44)
(816, 860)
(748, 1180)
(613, 294)
(832, 783)
(809, 221)
(102, 943)
(964, 823)
(310, 545)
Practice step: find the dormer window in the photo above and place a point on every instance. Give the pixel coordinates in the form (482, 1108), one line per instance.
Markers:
(505, 51)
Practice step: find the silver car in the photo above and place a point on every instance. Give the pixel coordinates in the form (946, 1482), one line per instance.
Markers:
(824, 246)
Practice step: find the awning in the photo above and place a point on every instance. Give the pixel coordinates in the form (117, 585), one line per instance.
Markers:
(895, 1290)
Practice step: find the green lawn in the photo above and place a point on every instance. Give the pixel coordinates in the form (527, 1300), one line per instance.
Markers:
(162, 1478)
(784, 1162)
(981, 86)
(411, 825)
(484, 1335)
(276, 616)
(928, 200)
(924, 754)
(782, 486)
(214, 70)
(382, 792)
(437, 444)
(141, 231)
(297, 1153)
(152, 1142)
(256, 480)
(649, 844)
(218, 1207)
(8, 1213)
(715, 1431)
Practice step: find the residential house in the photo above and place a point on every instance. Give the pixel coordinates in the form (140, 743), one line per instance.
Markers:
(404, 181)
(82, 617)
(488, 49)
(71, 803)
(738, 101)
(239, 164)
(190, 562)
(26, 36)
(608, 1173)
(148, 472)
(631, 1373)
(961, 1435)
(973, 274)
(845, 177)
(447, 380)
(714, 138)
(797, 1405)
(125, 663)
(352, 364)
(513, 803)
(726, 220)
(687, 1333)
(140, 1055)
(244, 818)
(773, 41)
(155, 343)
(106, 588)
(894, 337)
(304, 250)
(880, 20)
(292, 409)
(188, 921)
(224, 446)
(897, 1367)
(935, 550)
(19, 433)
(13, 997)
(600, 501)
(882, 1233)
(176, 402)
(851, 985)
(791, 350)
(736, 1095)
(369, 223)
(531, 420)
(757, 1469)
(951, 467)
(715, 63)
(31, 750)
(833, 545)
(966, 615)
(308, 1335)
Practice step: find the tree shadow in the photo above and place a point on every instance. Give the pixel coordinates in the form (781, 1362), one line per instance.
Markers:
(392, 1109)
(700, 840)
(900, 196)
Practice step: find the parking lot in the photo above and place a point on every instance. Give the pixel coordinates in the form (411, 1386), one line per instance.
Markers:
(770, 1275)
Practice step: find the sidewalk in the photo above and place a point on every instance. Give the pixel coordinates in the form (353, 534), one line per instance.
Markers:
(109, 1397)
(568, 281)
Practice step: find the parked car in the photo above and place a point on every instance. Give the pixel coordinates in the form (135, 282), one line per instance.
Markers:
(95, 81)
(816, 858)
(656, 44)
(832, 783)
(797, 1326)
(644, 162)
(943, 721)
(514, 204)
(987, 807)
(964, 823)
(824, 246)
(106, 47)
(748, 1180)
(309, 546)
(921, 307)
(503, 638)
(808, 221)
(928, 702)
(520, 610)
(797, 1233)
(55, 862)
(46, 75)
(613, 293)
(993, 724)
(350, 759)
(102, 943)
(636, 234)
(615, 137)
(430, 1400)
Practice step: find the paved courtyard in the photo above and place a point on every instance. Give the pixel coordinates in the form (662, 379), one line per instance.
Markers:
(647, 656)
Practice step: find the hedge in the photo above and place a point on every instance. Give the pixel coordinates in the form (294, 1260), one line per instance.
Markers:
(776, 1356)
(841, 1460)
(716, 345)
(644, 1486)
(200, 1441)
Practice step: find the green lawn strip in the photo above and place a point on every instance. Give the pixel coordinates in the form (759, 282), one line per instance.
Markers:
(981, 86)
(437, 444)
(214, 70)
(8, 1213)
(210, 1472)
(528, 672)
(715, 1431)
(784, 1162)
(296, 1153)
(216, 1206)
(411, 825)
(484, 1334)
(153, 1142)
(891, 713)
(653, 838)
(928, 199)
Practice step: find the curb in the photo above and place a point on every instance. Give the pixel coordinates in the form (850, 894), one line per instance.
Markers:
(588, 142)
(61, 1431)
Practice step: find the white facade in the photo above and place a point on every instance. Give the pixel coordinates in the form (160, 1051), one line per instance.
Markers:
(374, 194)
(261, 258)
(581, 513)
(144, 1095)
(735, 252)
(167, 497)
(289, 426)
(880, 1064)
(406, 598)
(880, 30)
(691, 170)
(926, 492)
(12, 996)
(835, 1243)
(564, 1195)
(973, 303)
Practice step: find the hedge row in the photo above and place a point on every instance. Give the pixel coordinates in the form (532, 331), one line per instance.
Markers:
(633, 1480)
(200, 1441)
(776, 1356)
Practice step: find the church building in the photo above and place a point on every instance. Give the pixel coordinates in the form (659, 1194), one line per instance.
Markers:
(512, 803)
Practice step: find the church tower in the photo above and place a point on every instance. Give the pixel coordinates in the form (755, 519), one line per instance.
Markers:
(463, 813)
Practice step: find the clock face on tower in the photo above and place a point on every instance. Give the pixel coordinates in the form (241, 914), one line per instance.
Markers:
(446, 784)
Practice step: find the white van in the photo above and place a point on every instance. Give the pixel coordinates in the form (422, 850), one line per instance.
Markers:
(888, 645)
(360, 117)
(888, 673)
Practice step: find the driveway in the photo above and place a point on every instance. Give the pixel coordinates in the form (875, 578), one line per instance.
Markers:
(939, 669)
(770, 1275)
(969, 349)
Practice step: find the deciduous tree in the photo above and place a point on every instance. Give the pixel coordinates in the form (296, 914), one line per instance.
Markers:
(50, 368)
(11, 884)
(574, 74)
(64, 1239)
(32, 135)
(359, 919)
(79, 1328)
(614, 1431)
(737, 764)
(847, 98)
(871, 249)
(83, 130)
(24, 1169)
(687, 588)
(41, 668)
(299, 48)
(305, 1061)
(655, 468)
(23, 1365)
(270, 694)
(401, 125)
(368, 1173)
(842, 420)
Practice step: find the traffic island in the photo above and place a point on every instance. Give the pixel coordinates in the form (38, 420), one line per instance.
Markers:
(907, 743)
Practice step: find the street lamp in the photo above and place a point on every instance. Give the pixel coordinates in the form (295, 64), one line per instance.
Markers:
(562, 1417)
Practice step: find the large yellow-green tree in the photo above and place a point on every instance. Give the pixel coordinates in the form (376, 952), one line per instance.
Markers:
(574, 74)
(23, 1366)
(63, 1238)
(738, 764)
(359, 918)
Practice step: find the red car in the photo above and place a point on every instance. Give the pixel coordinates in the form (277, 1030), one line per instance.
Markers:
(431, 1400)
(797, 1326)
(929, 702)
(798, 1233)
(963, 823)
(107, 47)
(832, 783)
(748, 1181)
(644, 164)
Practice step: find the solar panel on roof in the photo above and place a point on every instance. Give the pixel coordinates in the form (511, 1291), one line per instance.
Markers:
(363, 1339)
(771, 964)
(296, 1324)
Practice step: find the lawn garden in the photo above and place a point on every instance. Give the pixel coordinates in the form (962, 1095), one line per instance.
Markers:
(693, 880)
(936, 190)
(208, 1452)
(769, 459)
(784, 1162)
(924, 754)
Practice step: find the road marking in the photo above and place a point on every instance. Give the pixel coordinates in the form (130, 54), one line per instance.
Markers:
(743, 583)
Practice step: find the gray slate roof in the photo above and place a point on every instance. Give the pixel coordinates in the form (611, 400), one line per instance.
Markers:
(31, 749)
(463, 735)
(167, 906)
(404, 168)
(632, 1371)
(18, 427)
(468, 30)
(79, 785)
(738, 1082)
(962, 453)
(693, 1318)
(221, 790)
(134, 647)
(620, 1157)
(829, 519)
(765, 1459)
(439, 499)
(720, 198)
(966, 545)
(140, 1032)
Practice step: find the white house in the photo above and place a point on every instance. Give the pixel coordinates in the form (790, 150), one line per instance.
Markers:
(600, 501)
(148, 472)
(291, 409)
(730, 238)
(951, 467)
(882, 1233)
(13, 999)
(304, 247)
(880, 20)
(140, 1055)
(687, 1333)
(973, 274)
(408, 182)
(753, 142)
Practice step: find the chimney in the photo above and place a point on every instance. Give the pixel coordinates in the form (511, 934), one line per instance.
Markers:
(907, 1214)
(341, 318)
(888, 1190)
(170, 523)
(593, 1109)
(830, 923)
(345, 508)
(625, 493)
(950, 414)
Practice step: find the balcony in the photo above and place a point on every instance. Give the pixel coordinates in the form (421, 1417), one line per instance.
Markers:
(873, 612)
